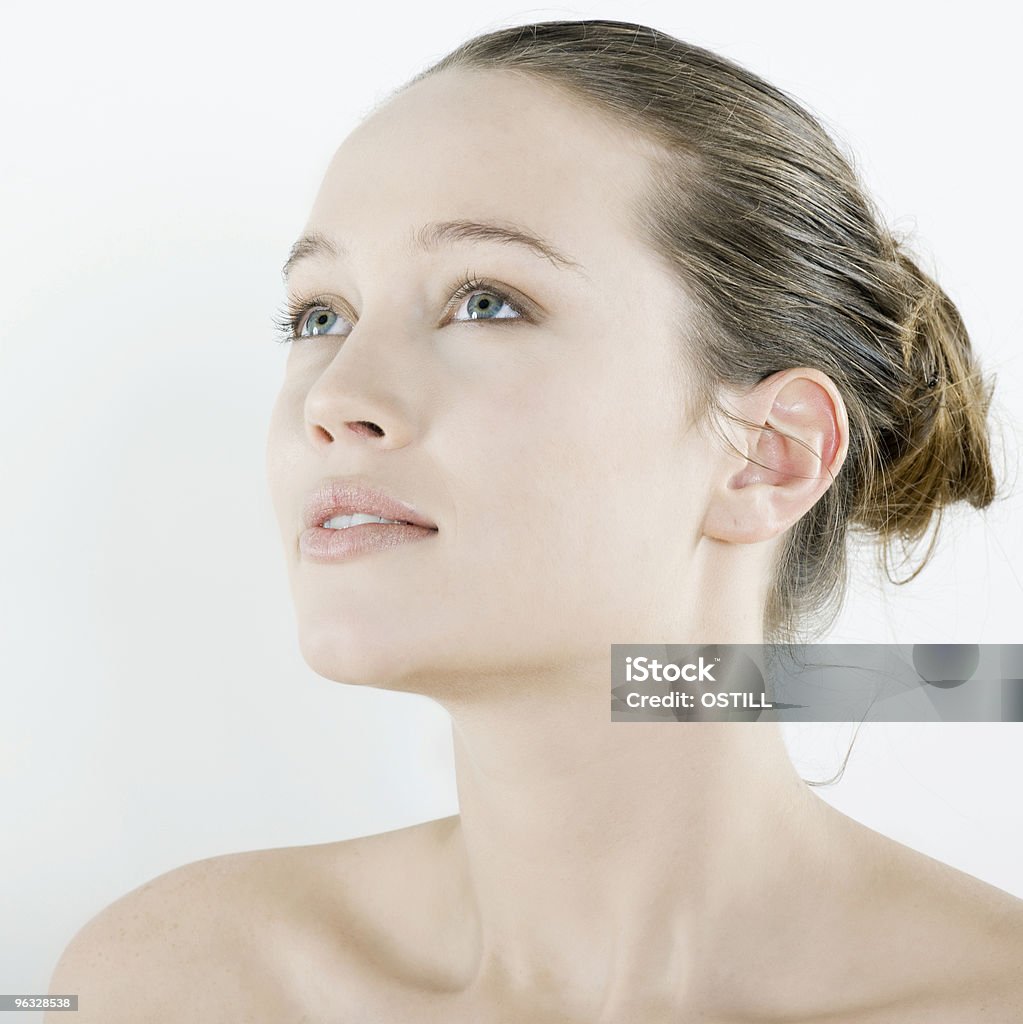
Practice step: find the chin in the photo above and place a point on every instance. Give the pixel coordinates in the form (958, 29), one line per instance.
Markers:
(387, 656)
(356, 653)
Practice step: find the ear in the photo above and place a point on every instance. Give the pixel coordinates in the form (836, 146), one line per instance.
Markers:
(787, 464)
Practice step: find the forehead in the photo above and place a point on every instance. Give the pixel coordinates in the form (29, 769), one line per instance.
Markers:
(486, 145)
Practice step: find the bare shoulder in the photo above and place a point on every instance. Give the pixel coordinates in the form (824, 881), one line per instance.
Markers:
(991, 929)
(240, 936)
(981, 968)
(157, 952)
(955, 939)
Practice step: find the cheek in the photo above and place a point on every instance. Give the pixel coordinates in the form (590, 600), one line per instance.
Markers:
(558, 499)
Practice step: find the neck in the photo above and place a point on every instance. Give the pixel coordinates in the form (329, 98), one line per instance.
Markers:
(603, 859)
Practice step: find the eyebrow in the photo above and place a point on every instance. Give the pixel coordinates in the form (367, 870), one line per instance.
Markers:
(435, 234)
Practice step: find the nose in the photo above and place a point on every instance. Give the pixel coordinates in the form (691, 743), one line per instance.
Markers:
(365, 393)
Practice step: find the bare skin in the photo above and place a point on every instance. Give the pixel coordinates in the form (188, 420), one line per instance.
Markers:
(597, 872)
(347, 931)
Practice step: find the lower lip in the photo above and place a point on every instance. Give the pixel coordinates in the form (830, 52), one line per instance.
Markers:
(324, 545)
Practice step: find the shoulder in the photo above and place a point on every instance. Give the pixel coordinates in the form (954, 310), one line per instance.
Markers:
(992, 945)
(997, 925)
(230, 937)
(154, 951)
(908, 938)
(963, 936)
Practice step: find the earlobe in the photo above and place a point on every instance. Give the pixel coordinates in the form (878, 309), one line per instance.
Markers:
(789, 462)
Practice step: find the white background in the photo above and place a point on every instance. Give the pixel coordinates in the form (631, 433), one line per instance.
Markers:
(156, 166)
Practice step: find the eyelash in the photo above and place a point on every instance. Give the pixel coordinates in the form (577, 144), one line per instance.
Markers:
(288, 320)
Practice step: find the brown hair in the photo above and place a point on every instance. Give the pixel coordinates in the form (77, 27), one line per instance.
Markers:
(763, 221)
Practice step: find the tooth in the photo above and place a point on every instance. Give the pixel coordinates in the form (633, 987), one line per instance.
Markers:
(343, 522)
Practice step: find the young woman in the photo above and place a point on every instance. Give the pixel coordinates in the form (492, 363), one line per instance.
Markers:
(604, 329)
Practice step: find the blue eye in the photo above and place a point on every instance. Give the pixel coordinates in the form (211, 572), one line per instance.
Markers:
(487, 304)
(318, 321)
(309, 317)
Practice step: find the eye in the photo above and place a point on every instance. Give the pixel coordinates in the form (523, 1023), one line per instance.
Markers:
(308, 317)
(486, 304)
(320, 320)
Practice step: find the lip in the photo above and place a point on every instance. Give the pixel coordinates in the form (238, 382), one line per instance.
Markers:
(319, 544)
(343, 496)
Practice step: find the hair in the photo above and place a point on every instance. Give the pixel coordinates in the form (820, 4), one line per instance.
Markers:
(764, 224)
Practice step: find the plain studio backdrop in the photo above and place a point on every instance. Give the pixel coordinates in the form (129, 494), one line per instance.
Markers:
(157, 166)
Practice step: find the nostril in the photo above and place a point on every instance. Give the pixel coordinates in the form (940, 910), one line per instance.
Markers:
(372, 427)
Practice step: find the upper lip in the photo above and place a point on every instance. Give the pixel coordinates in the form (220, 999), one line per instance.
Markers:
(346, 496)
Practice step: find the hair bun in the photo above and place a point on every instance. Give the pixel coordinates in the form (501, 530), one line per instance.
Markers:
(937, 453)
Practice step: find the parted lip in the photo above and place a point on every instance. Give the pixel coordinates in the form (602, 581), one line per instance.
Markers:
(344, 496)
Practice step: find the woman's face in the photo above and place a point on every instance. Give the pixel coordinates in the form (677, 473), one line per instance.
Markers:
(544, 436)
